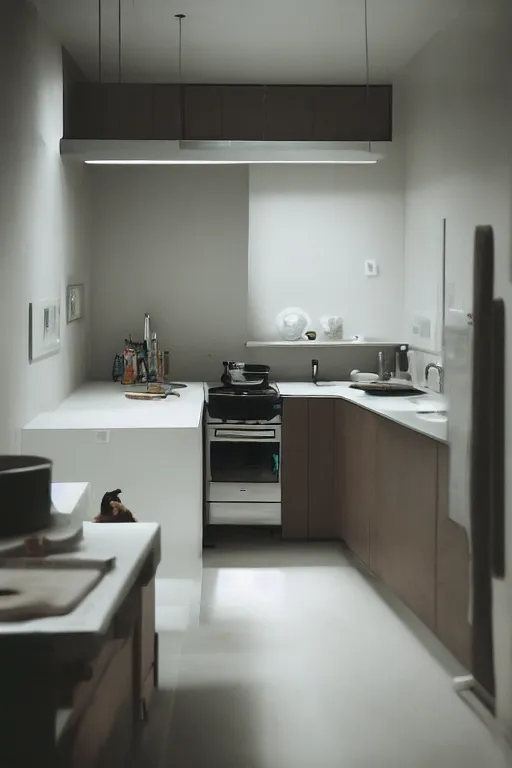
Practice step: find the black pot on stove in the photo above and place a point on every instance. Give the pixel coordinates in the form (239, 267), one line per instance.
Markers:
(245, 375)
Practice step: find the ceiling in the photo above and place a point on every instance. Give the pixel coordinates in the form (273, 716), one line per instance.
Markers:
(250, 41)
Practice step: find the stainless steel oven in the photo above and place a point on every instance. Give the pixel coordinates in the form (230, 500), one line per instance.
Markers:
(243, 465)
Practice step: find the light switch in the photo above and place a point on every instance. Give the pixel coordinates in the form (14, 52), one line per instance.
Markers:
(103, 436)
(370, 268)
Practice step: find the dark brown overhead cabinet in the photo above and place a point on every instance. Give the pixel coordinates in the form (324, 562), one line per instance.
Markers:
(228, 112)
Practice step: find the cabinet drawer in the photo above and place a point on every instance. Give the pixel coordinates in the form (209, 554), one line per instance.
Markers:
(244, 493)
(234, 513)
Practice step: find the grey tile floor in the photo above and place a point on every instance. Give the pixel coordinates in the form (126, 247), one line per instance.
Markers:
(289, 657)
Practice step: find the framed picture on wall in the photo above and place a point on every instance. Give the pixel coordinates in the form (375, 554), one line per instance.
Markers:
(44, 329)
(75, 302)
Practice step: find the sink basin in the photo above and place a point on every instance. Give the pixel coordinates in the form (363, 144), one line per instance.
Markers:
(439, 416)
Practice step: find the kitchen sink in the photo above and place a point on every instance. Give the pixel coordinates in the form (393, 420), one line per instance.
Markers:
(439, 416)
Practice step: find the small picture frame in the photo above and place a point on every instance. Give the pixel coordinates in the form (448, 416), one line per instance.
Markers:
(44, 329)
(75, 302)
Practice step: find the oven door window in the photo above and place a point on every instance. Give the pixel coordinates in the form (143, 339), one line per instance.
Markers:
(240, 462)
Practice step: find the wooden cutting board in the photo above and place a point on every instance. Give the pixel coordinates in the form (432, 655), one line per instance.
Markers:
(35, 593)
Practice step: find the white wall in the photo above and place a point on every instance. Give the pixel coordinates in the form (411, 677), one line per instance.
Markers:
(171, 241)
(43, 226)
(311, 228)
(454, 94)
(458, 123)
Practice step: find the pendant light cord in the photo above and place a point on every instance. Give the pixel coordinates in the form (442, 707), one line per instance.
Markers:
(180, 17)
(119, 42)
(367, 57)
(180, 48)
(100, 68)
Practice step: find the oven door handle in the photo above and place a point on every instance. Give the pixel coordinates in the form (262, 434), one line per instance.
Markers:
(243, 434)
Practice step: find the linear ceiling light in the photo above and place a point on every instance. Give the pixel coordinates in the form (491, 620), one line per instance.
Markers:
(230, 162)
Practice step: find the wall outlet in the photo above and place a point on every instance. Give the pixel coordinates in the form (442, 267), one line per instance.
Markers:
(102, 436)
(371, 268)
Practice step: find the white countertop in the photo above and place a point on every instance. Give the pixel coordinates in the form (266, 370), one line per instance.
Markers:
(102, 405)
(131, 544)
(72, 499)
(402, 410)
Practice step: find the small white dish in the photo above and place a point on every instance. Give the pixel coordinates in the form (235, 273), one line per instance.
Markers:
(363, 378)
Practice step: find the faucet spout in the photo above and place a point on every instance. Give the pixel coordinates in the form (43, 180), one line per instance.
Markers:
(440, 370)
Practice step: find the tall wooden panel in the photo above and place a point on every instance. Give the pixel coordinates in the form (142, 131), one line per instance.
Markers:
(166, 112)
(403, 523)
(322, 507)
(294, 468)
(355, 478)
(135, 111)
(289, 113)
(344, 113)
(203, 112)
(453, 575)
(243, 112)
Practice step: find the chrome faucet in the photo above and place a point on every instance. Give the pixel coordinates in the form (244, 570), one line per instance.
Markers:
(439, 368)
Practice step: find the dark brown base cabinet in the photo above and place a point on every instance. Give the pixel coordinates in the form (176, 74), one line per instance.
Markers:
(453, 572)
(383, 489)
(307, 469)
(403, 520)
(354, 476)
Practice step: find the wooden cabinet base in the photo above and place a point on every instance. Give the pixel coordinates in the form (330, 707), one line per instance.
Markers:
(453, 573)
(355, 476)
(321, 503)
(403, 523)
(93, 735)
(307, 469)
(295, 469)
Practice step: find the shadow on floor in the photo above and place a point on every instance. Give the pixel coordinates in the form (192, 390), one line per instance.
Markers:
(253, 547)
(213, 727)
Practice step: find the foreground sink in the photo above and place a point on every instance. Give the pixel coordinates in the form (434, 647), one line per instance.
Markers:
(439, 416)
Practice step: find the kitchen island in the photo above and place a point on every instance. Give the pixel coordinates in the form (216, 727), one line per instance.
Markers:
(152, 450)
(76, 687)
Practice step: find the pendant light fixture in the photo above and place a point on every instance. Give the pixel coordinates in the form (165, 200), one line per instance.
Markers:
(180, 17)
(367, 66)
(283, 151)
(224, 152)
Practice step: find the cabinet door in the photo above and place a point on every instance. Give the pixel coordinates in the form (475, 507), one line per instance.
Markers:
(452, 625)
(289, 113)
(166, 112)
(135, 111)
(321, 517)
(343, 113)
(403, 523)
(243, 112)
(294, 468)
(355, 476)
(203, 112)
